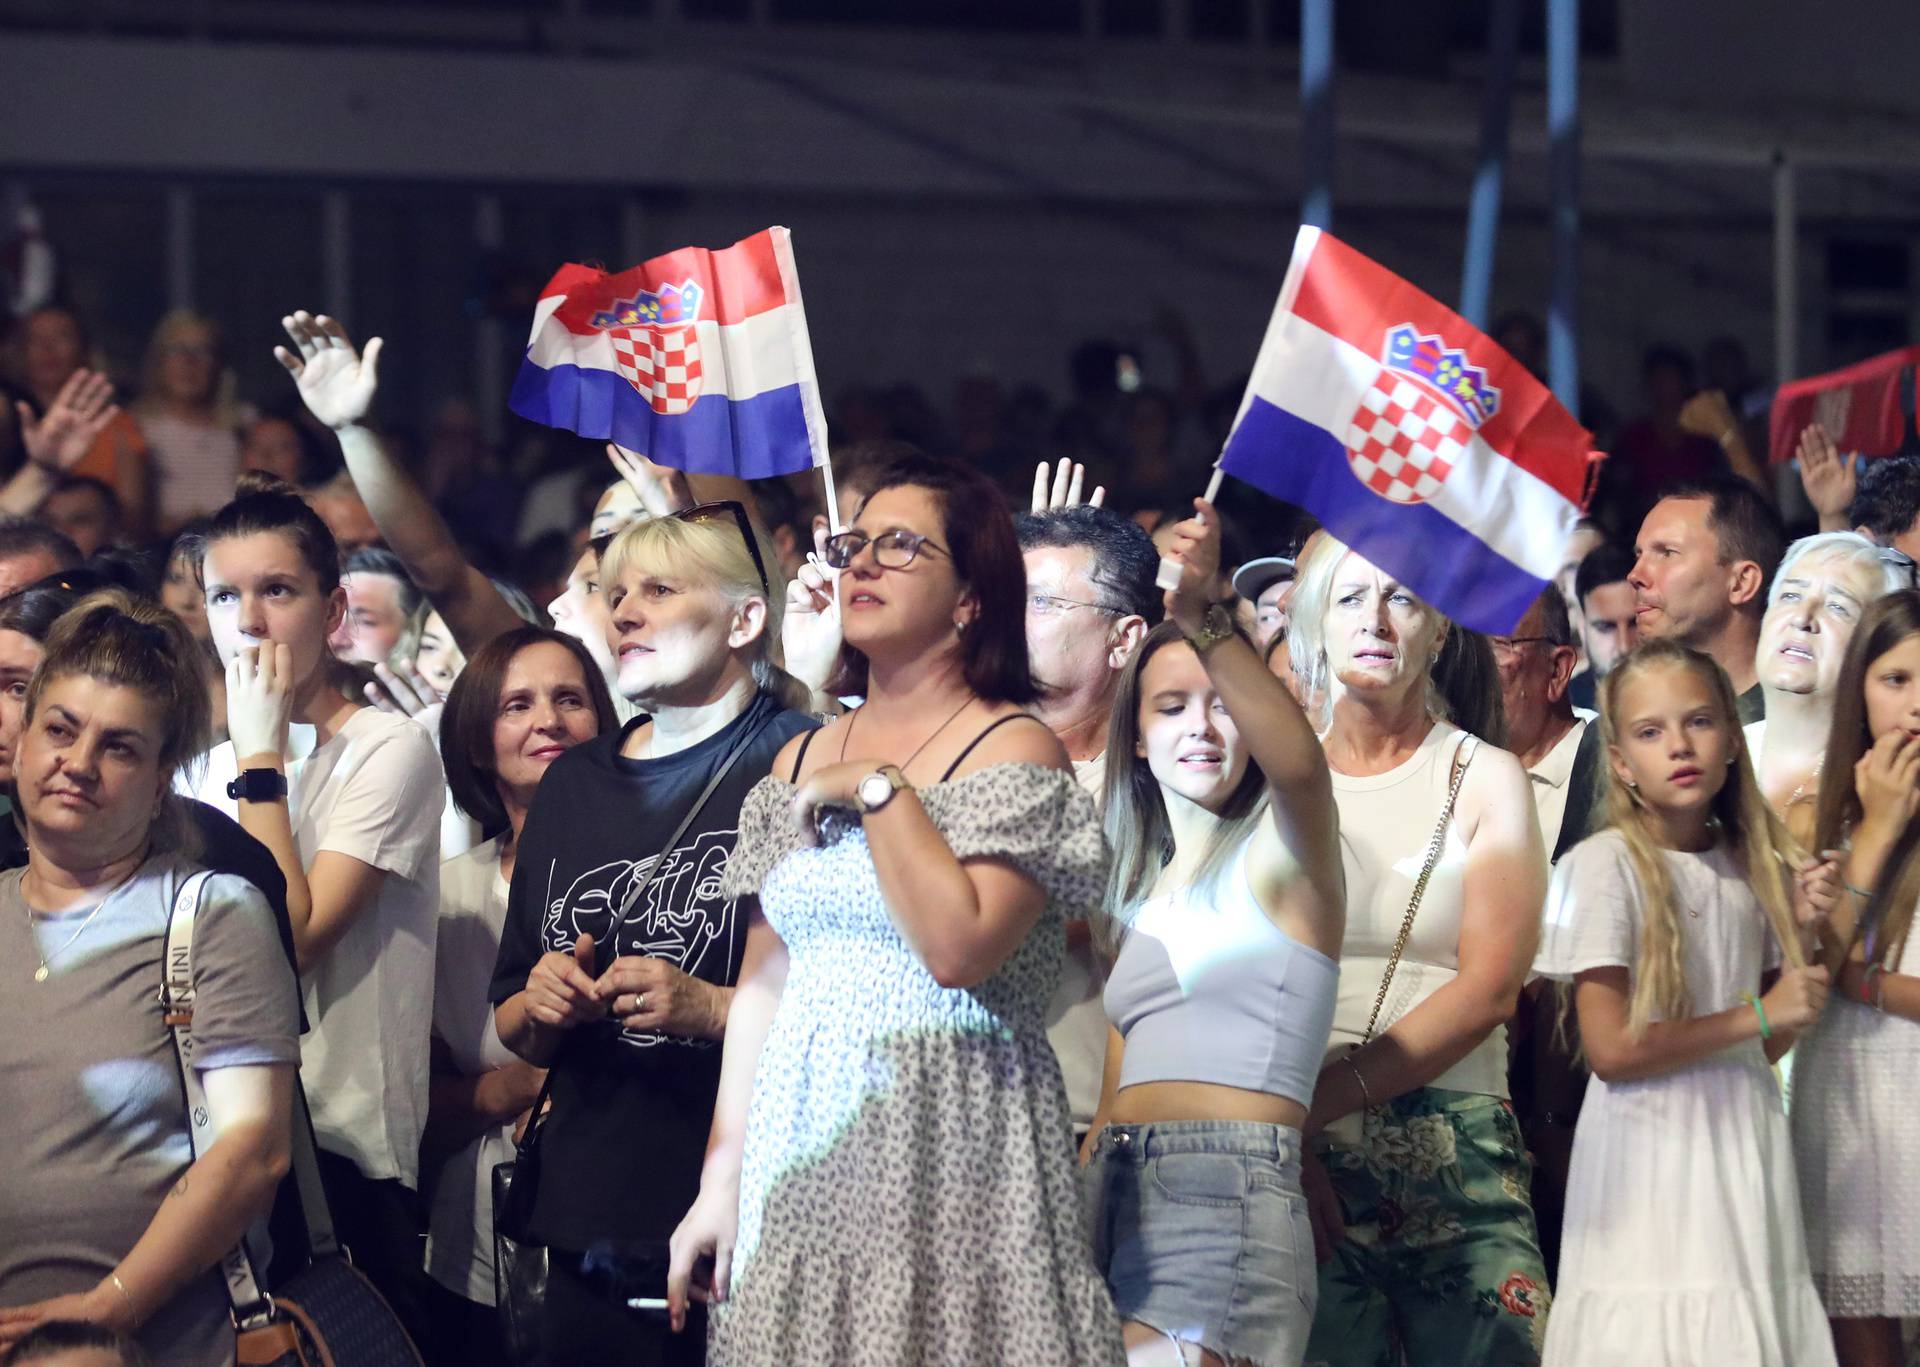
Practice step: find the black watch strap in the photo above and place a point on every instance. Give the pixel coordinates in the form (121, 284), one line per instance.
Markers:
(258, 785)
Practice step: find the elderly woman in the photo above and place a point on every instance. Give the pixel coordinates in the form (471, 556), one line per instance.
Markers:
(1427, 1214)
(108, 1215)
(1819, 593)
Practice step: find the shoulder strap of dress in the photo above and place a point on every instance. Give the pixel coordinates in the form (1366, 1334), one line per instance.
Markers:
(801, 758)
(986, 731)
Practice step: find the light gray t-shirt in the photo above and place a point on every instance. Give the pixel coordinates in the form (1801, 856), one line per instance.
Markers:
(93, 1124)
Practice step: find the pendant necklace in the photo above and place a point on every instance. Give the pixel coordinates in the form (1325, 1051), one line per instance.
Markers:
(42, 973)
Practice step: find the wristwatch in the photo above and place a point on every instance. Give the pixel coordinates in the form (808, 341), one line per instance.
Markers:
(258, 785)
(1214, 628)
(876, 790)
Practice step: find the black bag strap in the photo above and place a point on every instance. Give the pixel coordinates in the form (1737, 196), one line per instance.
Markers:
(530, 1136)
(986, 731)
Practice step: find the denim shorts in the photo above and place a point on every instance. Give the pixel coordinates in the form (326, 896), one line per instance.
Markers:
(1200, 1229)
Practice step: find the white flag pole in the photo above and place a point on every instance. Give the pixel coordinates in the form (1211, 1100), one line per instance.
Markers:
(1169, 575)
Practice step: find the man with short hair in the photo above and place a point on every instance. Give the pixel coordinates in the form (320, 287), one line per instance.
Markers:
(30, 551)
(1267, 583)
(1090, 597)
(1702, 563)
(84, 510)
(1886, 506)
(1607, 606)
(1562, 754)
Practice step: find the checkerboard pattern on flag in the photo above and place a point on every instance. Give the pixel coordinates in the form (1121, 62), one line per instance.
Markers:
(1411, 436)
(1402, 441)
(698, 359)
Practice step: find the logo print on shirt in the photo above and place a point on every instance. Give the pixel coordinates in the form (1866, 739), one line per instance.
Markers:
(682, 919)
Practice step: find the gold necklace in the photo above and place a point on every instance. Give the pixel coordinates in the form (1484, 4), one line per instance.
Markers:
(42, 973)
(1800, 791)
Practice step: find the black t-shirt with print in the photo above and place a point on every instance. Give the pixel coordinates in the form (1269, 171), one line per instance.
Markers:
(623, 1145)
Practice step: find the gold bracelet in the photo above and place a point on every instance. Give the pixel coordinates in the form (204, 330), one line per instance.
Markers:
(1366, 1097)
(132, 1315)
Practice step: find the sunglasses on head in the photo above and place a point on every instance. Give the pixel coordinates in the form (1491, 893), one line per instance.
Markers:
(709, 512)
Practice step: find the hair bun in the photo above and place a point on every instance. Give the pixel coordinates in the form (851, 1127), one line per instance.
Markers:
(252, 482)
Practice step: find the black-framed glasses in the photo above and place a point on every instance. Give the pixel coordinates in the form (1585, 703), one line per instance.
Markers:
(708, 512)
(894, 549)
(1053, 605)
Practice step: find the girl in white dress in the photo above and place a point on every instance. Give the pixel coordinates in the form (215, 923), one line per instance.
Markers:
(1683, 1241)
(1857, 1084)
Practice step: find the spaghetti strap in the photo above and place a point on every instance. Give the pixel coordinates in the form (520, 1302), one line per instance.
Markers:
(801, 758)
(986, 731)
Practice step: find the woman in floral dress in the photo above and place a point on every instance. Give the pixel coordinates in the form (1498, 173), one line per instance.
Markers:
(890, 1178)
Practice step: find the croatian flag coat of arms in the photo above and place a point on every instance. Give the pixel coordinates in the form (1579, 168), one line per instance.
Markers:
(698, 359)
(1411, 436)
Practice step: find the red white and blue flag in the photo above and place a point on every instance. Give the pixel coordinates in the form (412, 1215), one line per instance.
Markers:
(1411, 436)
(699, 360)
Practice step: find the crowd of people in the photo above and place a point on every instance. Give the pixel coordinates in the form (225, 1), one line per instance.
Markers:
(907, 933)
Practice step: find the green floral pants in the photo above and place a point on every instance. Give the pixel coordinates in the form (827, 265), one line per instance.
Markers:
(1440, 1265)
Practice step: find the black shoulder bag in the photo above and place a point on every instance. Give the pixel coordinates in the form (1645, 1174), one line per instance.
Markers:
(519, 1264)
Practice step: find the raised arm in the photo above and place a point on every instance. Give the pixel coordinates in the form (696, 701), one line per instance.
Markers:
(59, 441)
(1277, 733)
(337, 384)
(1505, 887)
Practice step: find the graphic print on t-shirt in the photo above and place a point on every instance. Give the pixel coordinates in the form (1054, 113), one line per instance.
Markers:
(683, 919)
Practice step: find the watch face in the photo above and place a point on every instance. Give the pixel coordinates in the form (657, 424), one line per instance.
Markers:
(874, 790)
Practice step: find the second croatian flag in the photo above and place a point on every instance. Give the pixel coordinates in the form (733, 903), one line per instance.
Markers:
(1411, 436)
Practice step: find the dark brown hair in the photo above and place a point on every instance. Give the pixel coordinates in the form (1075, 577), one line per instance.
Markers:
(466, 723)
(263, 503)
(131, 642)
(1885, 624)
(977, 530)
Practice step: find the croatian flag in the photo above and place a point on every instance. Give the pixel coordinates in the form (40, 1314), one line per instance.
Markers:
(1411, 436)
(698, 360)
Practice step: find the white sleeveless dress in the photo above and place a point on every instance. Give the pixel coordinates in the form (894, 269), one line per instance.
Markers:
(1683, 1241)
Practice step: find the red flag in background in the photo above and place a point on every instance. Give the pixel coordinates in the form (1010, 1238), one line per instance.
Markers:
(1858, 406)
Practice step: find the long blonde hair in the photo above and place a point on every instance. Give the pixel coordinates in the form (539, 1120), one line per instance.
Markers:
(1758, 838)
(713, 552)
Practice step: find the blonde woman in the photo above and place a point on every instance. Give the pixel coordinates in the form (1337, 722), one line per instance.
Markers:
(1420, 1185)
(629, 1017)
(189, 417)
(1683, 1237)
(1858, 1070)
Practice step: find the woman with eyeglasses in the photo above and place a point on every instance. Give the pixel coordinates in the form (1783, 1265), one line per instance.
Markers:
(890, 1175)
(189, 417)
(621, 945)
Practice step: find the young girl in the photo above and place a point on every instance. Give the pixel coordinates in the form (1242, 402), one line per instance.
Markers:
(1228, 903)
(1859, 1069)
(1682, 1241)
(348, 799)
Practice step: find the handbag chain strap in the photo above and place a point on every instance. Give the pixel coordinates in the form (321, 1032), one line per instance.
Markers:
(1462, 758)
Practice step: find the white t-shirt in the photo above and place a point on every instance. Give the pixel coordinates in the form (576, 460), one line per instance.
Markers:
(473, 908)
(374, 792)
(1076, 1017)
(1552, 780)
